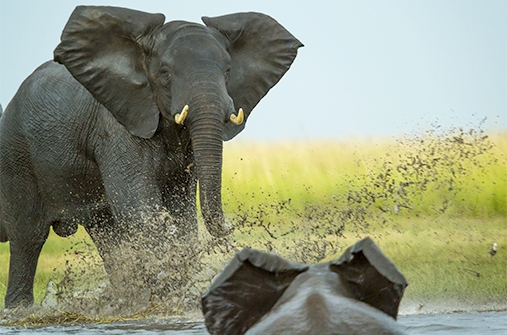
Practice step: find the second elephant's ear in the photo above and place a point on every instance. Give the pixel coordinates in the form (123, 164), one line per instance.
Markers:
(102, 48)
(371, 276)
(245, 290)
(261, 50)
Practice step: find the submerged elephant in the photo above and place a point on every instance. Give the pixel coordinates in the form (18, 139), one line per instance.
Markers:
(261, 293)
(125, 121)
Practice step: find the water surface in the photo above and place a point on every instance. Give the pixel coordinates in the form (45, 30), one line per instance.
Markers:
(470, 323)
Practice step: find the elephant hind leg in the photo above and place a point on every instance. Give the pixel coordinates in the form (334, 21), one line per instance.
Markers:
(3, 234)
(27, 231)
(22, 266)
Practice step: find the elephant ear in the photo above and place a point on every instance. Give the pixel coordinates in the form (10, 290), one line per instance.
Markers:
(261, 51)
(102, 48)
(245, 290)
(371, 276)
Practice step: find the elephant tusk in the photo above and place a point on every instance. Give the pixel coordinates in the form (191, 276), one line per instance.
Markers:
(237, 120)
(180, 117)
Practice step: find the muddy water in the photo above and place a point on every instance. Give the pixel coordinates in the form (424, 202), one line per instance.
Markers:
(471, 323)
(456, 323)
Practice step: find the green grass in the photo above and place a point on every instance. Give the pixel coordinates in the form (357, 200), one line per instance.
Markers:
(299, 197)
(449, 259)
(466, 173)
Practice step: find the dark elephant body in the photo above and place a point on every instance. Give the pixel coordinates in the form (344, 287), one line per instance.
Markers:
(259, 293)
(124, 124)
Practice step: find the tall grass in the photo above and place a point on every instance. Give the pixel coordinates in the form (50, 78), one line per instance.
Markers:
(455, 173)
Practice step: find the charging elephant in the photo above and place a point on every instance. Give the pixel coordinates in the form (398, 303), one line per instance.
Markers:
(127, 119)
(261, 293)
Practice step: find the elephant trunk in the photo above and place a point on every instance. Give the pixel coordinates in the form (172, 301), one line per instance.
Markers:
(206, 134)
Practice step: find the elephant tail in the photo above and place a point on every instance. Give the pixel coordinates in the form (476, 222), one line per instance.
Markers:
(3, 233)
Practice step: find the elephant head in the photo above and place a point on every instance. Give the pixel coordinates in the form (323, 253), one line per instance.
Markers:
(261, 293)
(206, 79)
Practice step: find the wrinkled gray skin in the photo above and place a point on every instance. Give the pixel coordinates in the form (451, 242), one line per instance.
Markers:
(261, 293)
(91, 137)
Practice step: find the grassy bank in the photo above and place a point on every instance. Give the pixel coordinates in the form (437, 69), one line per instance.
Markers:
(434, 204)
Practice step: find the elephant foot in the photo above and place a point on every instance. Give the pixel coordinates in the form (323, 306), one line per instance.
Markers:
(221, 229)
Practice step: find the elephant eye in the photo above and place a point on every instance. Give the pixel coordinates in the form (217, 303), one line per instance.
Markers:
(165, 75)
(227, 73)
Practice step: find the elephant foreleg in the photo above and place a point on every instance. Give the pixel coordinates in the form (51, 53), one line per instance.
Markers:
(181, 203)
(107, 235)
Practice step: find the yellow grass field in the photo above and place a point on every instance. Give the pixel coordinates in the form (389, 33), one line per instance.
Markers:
(434, 203)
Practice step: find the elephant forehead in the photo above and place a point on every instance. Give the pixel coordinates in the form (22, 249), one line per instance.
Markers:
(318, 278)
(188, 38)
(322, 314)
(317, 302)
